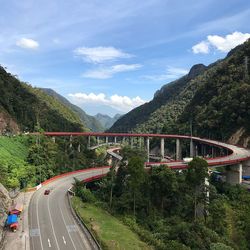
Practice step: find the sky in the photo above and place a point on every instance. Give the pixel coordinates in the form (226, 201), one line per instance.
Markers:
(111, 56)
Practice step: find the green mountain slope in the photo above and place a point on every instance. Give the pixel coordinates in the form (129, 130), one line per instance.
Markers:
(215, 99)
(151, 115)
(28, 107)
(107, 121)
(89, 121)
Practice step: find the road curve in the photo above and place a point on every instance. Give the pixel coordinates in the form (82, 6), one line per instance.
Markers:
(236, 154)
(51, 223)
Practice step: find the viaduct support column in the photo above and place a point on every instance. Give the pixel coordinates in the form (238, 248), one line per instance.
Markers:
(178, 150)
(97, 138)
(162, 148)
(88, 141)
(107, 140)
(131, 142)
(234, 174)
(246, 168)
(148, 147)
(115, 140)
(191, 148)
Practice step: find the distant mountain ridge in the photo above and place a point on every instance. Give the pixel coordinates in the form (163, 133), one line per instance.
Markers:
(215, 99)
(107, 121)
(166, 94)
(90, 121)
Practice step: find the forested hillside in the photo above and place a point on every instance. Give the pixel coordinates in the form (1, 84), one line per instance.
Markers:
(216, 99)
(107, 121)
(23, 107)
(90, 121)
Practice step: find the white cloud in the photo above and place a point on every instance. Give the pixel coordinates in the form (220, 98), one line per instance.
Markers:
(223, 44)
(27, 43)
(228, 42)
(108, 72)
(121, 103)
(202, 47)
(100, 54)
(171, 73)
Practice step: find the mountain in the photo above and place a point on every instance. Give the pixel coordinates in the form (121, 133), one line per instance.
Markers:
(107, 121)
(23, 107)
(89, 121)
(215, 99)
(142, 115)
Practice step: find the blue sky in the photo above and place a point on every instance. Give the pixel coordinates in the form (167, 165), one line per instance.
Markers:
(111, 56)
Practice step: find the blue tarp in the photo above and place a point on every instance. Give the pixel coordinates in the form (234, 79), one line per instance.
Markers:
(11, 219)
(246, 177)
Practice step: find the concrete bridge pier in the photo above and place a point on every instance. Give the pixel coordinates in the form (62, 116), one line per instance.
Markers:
(88, 141)
(178, 150)
(162, 148)
(148, 148)
(140, 142)
(107, 140)
(131, 142)
(246, 168)
(98, 141)
(192, 148)
(115, 139)
(234, 174)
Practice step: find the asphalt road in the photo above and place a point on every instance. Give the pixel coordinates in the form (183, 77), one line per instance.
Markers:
(238, 155)
(51, 223)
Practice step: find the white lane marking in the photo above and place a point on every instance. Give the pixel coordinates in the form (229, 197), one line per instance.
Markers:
(38, 220)
(49, 242)
(51, 222)
(66, 227)
(64, 241)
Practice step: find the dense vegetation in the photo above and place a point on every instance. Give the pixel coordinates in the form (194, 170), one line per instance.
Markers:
(107, 121)
(171, 209)
(216, 99)
(90, 121)
(110, 232)
(31, 107)
(29, 160)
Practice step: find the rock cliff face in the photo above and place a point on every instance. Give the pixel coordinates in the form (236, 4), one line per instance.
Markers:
(4, 206)
(8, 124)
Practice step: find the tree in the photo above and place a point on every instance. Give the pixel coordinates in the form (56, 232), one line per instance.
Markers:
(136, 176)
(163, 185)
(196, 176)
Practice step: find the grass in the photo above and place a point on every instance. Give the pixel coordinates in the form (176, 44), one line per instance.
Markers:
(13, 148)
(110, 232)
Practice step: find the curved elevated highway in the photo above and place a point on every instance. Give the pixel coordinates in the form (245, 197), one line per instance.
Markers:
(51, 223)
(236, 154)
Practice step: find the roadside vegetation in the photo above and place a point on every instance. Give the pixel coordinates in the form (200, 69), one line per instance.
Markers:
(25, 161)
(110, 232)
(171, 209)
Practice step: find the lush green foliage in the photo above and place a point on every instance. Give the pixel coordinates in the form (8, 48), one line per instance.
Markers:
(31, 107)
(14, 169)
(171, 210)
(89, 121)
(110, 232)
(29, 160)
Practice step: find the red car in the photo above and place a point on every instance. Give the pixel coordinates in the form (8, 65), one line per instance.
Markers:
(46, 192)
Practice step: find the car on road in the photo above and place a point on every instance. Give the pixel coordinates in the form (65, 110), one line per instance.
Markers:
(46, 192)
